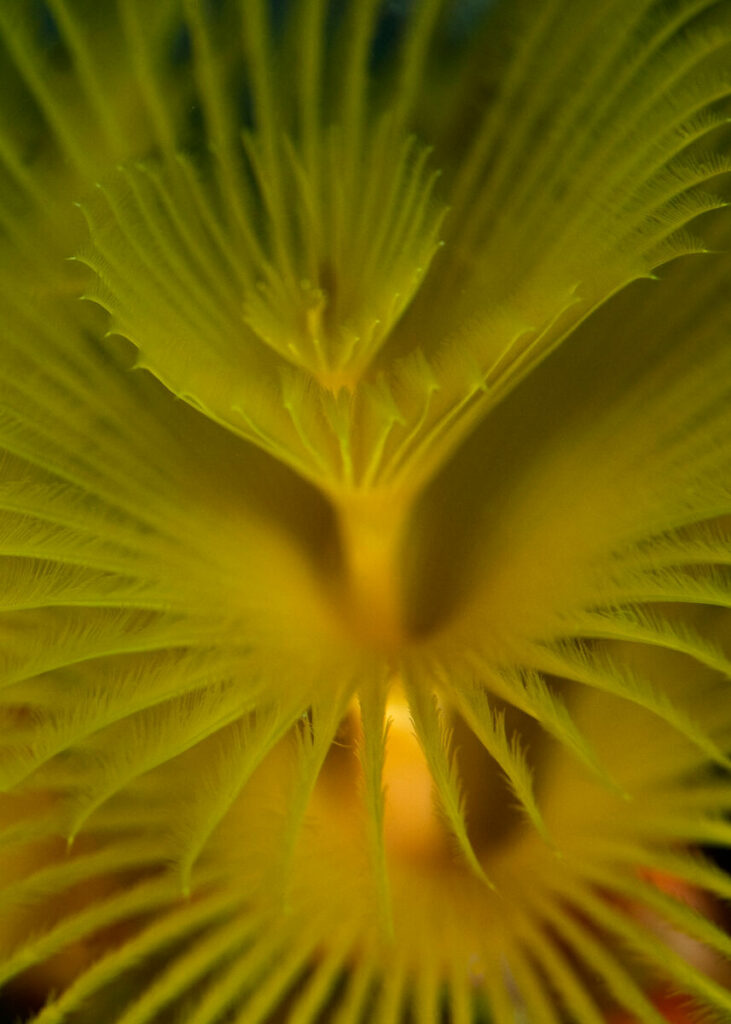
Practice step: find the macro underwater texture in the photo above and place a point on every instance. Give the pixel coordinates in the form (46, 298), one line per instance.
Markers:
(365, 511)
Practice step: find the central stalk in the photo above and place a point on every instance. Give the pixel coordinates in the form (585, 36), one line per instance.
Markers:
(372, 532)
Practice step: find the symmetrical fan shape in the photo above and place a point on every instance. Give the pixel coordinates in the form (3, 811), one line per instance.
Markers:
(365, 542)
